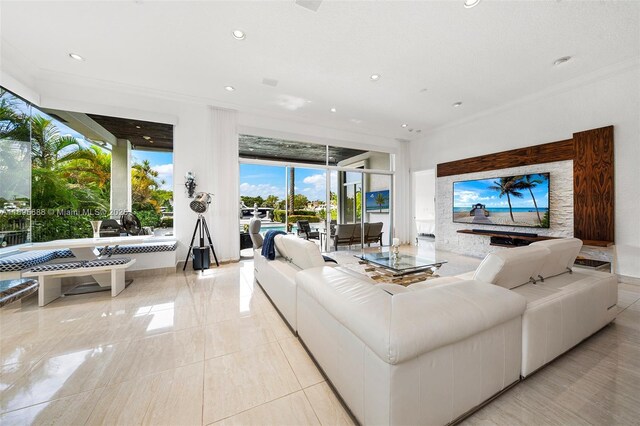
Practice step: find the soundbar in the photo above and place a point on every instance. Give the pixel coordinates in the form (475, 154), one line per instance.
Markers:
(516, 234)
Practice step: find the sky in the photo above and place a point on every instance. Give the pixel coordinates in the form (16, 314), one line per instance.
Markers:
(258, 180)
(471, 192)
(162, 162)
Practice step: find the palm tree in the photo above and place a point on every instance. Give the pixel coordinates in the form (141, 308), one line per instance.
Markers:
(92, 170)
(508, 186)
(144, 182)
(14, 125)
(380, 200)
(528, 182)
(292, 187)
(48, 147)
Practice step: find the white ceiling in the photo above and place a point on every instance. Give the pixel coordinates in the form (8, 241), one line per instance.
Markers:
(485, 57)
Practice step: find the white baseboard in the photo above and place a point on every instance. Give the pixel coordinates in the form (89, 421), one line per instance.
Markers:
(628, 280)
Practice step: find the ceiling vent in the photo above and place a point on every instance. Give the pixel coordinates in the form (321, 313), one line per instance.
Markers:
(270, 82)
(312, 5)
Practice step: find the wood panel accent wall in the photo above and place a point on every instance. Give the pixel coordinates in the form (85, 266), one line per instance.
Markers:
(593, 191)
(593, 176)
(537, 154)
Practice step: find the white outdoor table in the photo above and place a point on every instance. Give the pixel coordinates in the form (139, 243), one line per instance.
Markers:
(86, 249)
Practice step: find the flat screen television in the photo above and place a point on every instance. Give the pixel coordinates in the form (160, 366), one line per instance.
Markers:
(377, 201)
(505, 201)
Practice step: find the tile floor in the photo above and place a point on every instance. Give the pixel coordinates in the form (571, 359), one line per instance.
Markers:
(209, 348)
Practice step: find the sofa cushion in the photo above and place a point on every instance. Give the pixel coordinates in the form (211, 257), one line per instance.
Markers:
(26, 260)
(141, 248)
(281, 249)
(448, 314)
(254, 232)
(563, 253)
(512, 267)
(401, 327)
(302, 253)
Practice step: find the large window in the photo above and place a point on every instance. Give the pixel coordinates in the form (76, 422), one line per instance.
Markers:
(59, 170)
(15, 170)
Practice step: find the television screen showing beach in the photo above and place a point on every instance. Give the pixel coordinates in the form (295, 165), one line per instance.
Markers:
(510, 201)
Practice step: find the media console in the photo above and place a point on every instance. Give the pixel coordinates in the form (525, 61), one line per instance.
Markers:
(507, 238)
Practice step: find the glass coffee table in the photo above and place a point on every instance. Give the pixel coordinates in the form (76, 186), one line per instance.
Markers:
(403, 269)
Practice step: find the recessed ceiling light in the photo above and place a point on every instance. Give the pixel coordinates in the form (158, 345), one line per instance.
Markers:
(403, 125)
(333, 110)
(76, 57)
(150, 141)
(562, 60)
(147, 137)
(238, 34)
(457, 104)
(229, 88)
(375, 77)
(137, 127)
(471, 3)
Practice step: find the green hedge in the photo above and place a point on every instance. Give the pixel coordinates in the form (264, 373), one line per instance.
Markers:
(297, 217)
(280, 215)
(148, 218)
(166, 222)
(56, 227)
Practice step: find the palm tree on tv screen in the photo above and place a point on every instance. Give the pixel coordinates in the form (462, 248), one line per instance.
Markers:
(508, 186)
(528, 182)
(380, 200)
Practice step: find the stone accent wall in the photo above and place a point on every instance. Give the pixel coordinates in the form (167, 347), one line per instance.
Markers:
(560, 208)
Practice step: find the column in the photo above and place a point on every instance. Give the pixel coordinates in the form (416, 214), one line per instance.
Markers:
(120, 178)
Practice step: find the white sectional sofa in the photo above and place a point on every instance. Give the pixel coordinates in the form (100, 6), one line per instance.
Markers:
(422, 357)
(434, 351)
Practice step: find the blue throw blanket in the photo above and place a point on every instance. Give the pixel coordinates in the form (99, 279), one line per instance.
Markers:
(268, 245)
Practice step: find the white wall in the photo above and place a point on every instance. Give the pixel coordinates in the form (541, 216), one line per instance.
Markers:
(423, 185)
(609, 98)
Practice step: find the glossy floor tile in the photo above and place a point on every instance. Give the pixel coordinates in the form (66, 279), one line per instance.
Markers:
(242, 380)
(293, 409)
(207, 348)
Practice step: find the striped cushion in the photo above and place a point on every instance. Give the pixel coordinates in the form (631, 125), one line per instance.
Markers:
(107, 262)
(63, 254)
(21, 261)
(141, 248)
(57, 267)
(81, 264)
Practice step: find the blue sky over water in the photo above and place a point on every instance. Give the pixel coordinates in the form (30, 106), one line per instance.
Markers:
(470, 192)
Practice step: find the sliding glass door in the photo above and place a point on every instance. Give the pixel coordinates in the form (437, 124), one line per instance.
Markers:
(318, 192)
